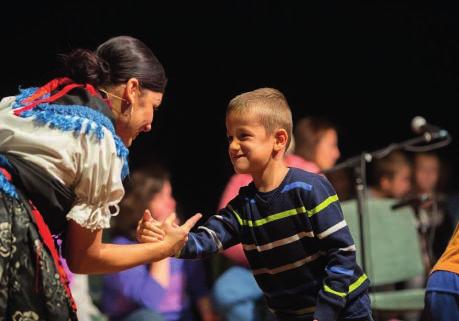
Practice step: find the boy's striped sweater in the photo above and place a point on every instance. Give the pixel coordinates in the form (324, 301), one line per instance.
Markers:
(297, 243)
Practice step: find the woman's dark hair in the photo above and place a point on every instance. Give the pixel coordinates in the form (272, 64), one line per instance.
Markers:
(115, 62)
(142, 185)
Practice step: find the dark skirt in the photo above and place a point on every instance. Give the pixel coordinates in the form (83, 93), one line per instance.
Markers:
(33, 284)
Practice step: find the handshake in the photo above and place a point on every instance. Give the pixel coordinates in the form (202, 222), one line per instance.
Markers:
(168, 231)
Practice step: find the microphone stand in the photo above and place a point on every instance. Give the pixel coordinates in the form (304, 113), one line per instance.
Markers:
(358, 163)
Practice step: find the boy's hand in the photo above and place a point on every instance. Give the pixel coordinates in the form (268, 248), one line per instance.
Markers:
(149, 229)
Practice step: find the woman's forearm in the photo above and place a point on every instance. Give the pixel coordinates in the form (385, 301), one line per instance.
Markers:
(111, 258)
(86, 254)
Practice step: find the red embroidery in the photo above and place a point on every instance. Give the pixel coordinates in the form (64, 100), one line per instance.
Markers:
(35, 99)
(6, 174)
(45, 234)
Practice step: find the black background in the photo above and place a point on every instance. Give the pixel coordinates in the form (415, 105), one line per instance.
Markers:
(368, 67)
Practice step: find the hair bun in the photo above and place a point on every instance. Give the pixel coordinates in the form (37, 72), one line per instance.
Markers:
(84, 66)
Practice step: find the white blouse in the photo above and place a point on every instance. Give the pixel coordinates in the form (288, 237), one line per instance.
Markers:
(87, 165)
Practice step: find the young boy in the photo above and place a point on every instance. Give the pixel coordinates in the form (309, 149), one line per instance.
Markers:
(288, 220)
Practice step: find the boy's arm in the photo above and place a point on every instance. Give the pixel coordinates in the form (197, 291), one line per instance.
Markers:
(337, 245)
(218, 233)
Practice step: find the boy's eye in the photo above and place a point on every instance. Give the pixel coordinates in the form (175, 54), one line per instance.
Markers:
(230, 139)
(244, 136)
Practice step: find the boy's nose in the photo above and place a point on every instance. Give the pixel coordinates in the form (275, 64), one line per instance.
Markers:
(233, 146)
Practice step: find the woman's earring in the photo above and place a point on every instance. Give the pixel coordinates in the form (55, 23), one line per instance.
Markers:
(131, 110)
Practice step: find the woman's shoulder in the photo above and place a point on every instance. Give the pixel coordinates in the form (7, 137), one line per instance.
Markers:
(77, 111)
(7, 101)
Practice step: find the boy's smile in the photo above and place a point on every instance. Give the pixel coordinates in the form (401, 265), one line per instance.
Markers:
(250, 146)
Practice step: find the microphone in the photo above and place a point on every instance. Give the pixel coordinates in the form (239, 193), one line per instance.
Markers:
(419, 125)
(415, 200)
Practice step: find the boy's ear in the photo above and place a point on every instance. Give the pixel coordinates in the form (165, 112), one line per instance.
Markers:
(281, 137)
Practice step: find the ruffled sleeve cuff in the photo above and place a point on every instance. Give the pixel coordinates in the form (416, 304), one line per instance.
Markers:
(93, 217)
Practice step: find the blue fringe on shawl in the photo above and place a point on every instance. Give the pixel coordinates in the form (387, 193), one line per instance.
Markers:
(73, 118)
(5, 185)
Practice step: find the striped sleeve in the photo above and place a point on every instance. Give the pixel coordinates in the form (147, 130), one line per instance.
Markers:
(336, 242)
(220, 232)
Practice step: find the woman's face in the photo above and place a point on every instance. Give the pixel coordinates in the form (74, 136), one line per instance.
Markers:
(138, 117)
(327, 152)
(163, 203)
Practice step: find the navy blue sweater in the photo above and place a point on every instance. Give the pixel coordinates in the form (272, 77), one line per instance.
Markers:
(297, 242)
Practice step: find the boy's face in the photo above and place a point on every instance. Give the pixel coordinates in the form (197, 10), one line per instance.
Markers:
(250, 146)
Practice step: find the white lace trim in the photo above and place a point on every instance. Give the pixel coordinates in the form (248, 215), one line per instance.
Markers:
(93, 217)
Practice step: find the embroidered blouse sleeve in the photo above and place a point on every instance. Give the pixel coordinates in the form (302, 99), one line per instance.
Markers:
(98, 187)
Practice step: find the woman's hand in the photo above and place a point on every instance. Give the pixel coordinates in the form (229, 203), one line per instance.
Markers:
(149, 229)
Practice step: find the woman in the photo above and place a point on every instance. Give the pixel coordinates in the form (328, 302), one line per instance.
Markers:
(63, 154)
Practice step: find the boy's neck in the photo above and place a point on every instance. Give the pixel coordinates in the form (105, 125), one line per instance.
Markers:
(271, 177)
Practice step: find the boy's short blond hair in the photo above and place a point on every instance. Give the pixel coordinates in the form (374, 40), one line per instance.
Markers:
(270, 107)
